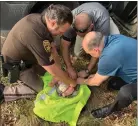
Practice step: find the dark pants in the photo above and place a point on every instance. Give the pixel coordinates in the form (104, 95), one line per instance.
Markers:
(126, 95)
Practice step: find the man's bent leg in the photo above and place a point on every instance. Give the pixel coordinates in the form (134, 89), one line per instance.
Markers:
(126, 95)
(31, 78)
(18, 91)
(116, 83)
(28, 87)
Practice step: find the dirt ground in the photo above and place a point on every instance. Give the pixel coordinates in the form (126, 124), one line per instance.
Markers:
(20, 113)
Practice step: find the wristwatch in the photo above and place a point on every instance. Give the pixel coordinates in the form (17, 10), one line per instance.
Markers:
(87, 71)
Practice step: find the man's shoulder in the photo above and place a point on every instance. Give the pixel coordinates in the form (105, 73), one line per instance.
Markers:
(31, 28)
(120, 40)
(113, 48)
(32, 20)
(32, 16)
(90, 4)
(36, 26)
(28, 22)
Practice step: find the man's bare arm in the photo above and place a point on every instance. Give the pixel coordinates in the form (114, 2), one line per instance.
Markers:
(55, 54)
(92, 63)
(57, 72)
(94, 80)
(66, 56)
(65, 52)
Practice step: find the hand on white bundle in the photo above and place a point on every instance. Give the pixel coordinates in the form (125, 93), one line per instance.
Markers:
(64, 90)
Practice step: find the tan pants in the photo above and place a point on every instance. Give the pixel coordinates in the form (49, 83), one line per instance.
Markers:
(29, 85)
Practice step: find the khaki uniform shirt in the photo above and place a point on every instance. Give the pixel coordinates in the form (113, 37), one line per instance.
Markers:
(29, 40)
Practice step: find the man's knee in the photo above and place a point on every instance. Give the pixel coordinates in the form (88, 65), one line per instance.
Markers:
(116, 83)
(31, 79)
(126, 92)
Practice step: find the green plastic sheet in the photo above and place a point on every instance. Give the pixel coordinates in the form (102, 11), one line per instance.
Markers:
(54, 108)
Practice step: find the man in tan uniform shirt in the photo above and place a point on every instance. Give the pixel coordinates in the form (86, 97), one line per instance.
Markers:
(31, 40)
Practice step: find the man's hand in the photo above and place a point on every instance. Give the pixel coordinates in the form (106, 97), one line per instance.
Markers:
(82, 74)
(68, 92)
(80, 80)
(83, 81)
(72, 73)
(61, 75)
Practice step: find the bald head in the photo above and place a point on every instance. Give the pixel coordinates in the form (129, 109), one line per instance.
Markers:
(82, 20)
(91, 40)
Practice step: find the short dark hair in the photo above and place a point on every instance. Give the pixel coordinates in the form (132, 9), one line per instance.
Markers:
(60, 13)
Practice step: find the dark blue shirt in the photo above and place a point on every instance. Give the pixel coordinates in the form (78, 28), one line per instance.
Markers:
(119, 58)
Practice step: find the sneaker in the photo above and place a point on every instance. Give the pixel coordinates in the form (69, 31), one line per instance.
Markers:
(101, 112)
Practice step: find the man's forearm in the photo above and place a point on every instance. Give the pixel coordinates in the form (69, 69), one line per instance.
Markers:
(56, 57)
(57, 72)
(92, 63)
(91, 82)
(67, 59)
(63, 76)
(96, 80)
(66, 55)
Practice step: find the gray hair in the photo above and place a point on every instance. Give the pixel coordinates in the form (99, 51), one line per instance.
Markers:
(60, 13)
(95, 42)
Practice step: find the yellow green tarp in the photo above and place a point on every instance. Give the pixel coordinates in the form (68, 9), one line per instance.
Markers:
(54, 108)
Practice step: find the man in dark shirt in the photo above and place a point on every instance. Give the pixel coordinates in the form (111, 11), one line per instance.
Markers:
(117, 57)
(88, 17)
(31, 40)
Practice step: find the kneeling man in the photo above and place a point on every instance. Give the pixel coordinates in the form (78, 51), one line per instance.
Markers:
(117, 57)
